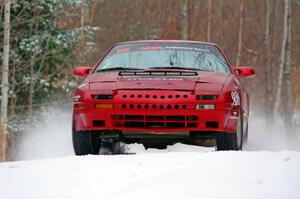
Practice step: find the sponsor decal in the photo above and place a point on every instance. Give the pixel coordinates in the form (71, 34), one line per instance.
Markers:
(187, 48)
(151, 48)
(122, 50)
(235, 95)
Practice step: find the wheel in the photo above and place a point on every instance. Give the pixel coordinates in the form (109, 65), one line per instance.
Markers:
(246, 135)
(84, 143)
(231, 141)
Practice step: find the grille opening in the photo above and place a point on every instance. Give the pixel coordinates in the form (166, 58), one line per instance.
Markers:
(162, 97)
(155, 124)
(183, 106)
(154, 106)
(98, 123)
(131, 96)
(175, 125)
(124, 96)
(185, 96)
(177, 96)
(155, 121)
(161, 107)
(176, 107)
(170, 96)
(147, 96)
(154, 96)
(134, 117)
(139, 106)
(175, 117)
(191, 125)
(134, 124)
(131, 106)
(124, 106)
(211, 124)
(146, 106)
(169, 107)
(139, 96)
(154, 117)
(103, 97)
(207, 97)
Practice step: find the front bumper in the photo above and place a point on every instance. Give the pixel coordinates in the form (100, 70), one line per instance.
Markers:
(153, 111)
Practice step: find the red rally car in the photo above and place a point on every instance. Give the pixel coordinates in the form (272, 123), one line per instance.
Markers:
(160, 92)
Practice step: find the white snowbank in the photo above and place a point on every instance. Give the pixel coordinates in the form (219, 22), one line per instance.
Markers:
(165, 175)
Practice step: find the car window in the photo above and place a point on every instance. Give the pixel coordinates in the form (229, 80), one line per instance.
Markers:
(203, 57)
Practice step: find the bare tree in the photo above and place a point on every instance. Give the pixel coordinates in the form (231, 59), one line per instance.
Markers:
(239, 50)
(184, 19)
(268, 76)
(284, 47)
(5, 85)
(287, 93)
(209, 20)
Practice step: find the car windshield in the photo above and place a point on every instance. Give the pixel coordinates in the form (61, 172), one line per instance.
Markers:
(164, 55)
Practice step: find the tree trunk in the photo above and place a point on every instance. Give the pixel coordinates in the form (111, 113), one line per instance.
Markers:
(287, 91)
(5, 85)
(268, 76)
(184, 19)
(209, 20)
(282, 59)
(239, 50)
(32, 73)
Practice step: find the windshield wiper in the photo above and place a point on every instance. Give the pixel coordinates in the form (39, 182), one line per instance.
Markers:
(116, 68)
(176, 67)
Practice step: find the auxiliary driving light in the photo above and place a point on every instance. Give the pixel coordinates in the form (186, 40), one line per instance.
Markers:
(205, 106)
(104, 106)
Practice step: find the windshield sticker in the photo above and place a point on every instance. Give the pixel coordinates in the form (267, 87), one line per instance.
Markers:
(151, 48)
(122, 50)
(187, 48)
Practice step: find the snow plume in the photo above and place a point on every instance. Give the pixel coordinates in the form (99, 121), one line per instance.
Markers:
(49, 137)
(271, 137)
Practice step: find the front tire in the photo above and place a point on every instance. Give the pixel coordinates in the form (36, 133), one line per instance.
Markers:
(231, 141)
(84, 143)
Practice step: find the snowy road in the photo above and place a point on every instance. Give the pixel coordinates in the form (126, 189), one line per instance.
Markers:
(180, 172)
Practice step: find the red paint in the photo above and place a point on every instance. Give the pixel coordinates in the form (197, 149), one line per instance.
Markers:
(164, 96)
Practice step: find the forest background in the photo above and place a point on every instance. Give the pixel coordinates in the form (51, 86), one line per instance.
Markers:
(49, 38)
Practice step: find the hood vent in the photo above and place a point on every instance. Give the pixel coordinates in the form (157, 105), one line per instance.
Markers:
(157, 73)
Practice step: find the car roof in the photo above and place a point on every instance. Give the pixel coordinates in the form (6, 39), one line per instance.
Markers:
(166, 40)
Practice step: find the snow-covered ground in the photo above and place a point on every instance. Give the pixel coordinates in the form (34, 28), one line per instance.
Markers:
(179, 172)
(266, 169)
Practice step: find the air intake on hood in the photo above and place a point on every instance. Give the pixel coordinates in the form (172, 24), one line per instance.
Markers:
(157, 73)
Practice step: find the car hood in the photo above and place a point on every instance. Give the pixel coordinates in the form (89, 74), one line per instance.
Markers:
(113, 81)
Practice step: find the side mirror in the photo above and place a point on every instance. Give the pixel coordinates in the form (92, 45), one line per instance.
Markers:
(243, 71)
(82, 71)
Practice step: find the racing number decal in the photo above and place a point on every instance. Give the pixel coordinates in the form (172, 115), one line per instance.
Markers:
(235, 95)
